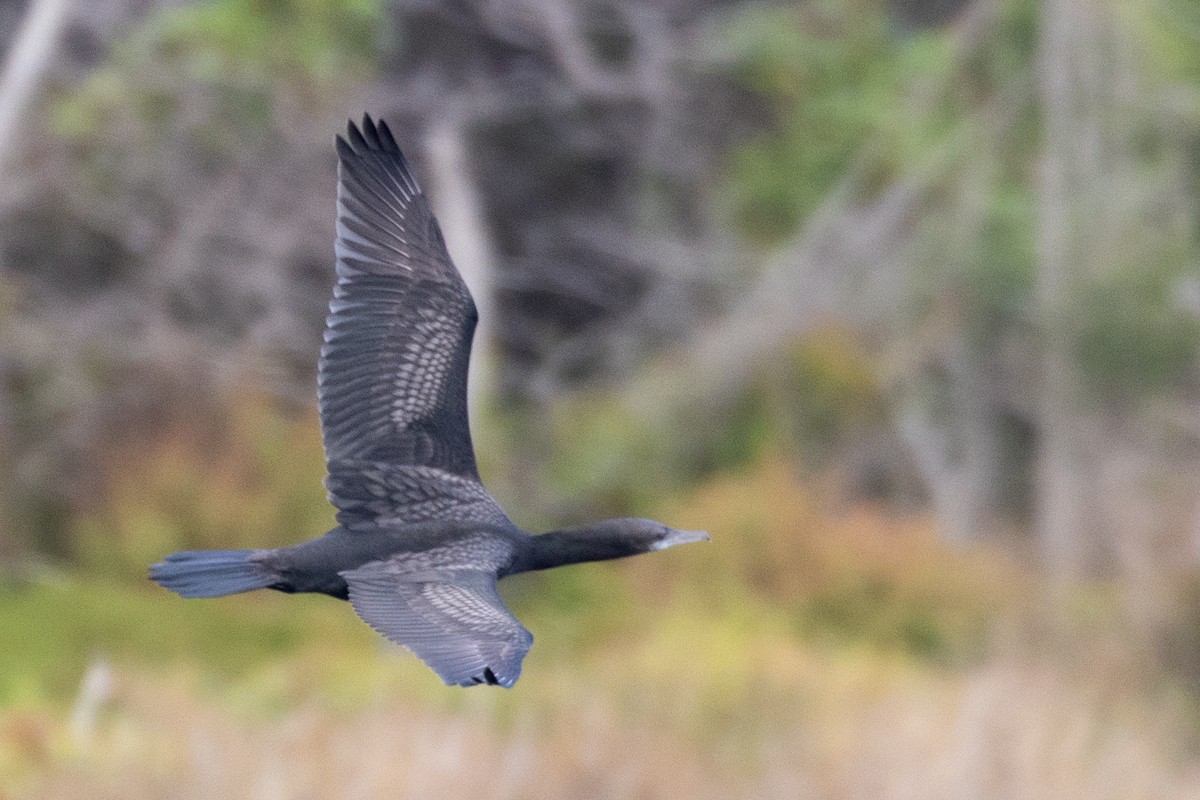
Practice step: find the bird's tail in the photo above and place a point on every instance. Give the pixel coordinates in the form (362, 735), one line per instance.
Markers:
(212, 573)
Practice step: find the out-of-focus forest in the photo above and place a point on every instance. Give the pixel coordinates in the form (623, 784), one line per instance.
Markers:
(900, 300)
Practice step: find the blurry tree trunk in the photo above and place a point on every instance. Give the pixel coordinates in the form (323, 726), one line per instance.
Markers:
(952, 439)
(28, 59)
(1071, 192)
(460, 212)
(940, 379)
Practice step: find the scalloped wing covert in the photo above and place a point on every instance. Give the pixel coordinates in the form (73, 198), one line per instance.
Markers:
(393, 369)
(451, 618)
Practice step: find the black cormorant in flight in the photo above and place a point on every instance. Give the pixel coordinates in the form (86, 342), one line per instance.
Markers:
(420, 543)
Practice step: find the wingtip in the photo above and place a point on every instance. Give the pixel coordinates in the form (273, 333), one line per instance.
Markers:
(357, 142)
(487, 678)
(370, 133)
(366, 135)
(385, 136)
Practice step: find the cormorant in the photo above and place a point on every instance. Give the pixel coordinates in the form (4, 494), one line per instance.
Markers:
(420, 543)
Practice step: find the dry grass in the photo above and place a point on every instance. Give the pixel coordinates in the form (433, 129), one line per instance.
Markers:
(834, 729)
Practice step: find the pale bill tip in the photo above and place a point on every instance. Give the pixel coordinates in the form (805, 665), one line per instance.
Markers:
(681, 537)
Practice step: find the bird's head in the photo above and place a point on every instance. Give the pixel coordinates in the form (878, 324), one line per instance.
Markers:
(648, 534)
(600, 541)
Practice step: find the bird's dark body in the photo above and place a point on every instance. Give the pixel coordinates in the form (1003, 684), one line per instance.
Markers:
(420, 543)
(316, 565)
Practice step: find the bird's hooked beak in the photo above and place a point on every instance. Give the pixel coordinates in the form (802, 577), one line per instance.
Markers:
(674, 537)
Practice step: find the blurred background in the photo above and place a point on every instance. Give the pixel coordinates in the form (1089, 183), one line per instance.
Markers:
(897, 298)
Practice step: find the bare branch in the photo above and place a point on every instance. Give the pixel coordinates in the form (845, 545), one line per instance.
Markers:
(26, 63)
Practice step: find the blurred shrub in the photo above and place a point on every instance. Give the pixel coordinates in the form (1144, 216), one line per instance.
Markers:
(1133, 339)
(241, 41)
(602, 454)
(253, 480)
(237, 57)
(1177, 633)
(839, 571)
(817, 81)
(854, 573)
(831, 73)
(831, 390)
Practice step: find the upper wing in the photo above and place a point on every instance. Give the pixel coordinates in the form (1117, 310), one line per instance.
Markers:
(393, 370)
(452, 619)
(402, 494)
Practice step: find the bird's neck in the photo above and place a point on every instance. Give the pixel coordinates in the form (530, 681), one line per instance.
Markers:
(572, 546)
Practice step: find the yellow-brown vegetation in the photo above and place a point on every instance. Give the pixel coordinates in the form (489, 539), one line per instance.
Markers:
(816, 648)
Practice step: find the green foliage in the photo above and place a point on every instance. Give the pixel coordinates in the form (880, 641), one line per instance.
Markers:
(831, 75)
(810, 79)
(869, 609)
(1133, 339)
(222, 72)
(575, 611)
(976, 263)
(750, 426)
(605, 458)
(61, 623)
(1169, 31)
(1000, 273)
(257, 41)
(820, 390)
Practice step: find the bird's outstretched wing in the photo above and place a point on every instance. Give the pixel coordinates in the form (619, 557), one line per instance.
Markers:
(393, 370)
(452, 619)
